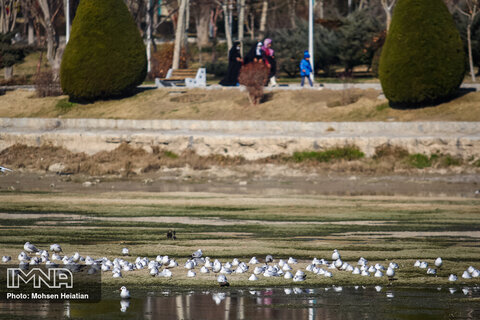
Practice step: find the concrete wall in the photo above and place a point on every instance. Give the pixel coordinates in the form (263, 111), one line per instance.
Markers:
(250, 139)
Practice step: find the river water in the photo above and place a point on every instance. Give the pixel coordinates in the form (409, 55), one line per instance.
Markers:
(327, 303)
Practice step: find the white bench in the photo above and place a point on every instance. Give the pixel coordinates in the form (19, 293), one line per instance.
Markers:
(190, 78)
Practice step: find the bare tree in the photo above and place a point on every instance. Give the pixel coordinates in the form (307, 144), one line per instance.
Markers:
(241, 19)
(179, 34)
(263, 18)
(471, 11)
(388, 7)
(228, 27)
(201, 10)
(8, 15)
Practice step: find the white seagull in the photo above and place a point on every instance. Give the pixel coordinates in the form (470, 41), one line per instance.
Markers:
(3, 169)
(197, 254)
(125, 251)
(438, 262)
(335, 255)
(390, 272)
(55, 248)
(124, 294)
(30, 247)
(5, 259)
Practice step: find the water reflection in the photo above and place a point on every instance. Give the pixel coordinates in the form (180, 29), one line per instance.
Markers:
(330, 303)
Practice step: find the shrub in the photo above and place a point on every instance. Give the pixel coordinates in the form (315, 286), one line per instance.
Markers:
(422, 61)
(386, 151)
(162, 60)
(218, 68)
(254, 76)
(11, 54)
(64, 105)
(348, 153)
(449, 160)
(105, 56)
(47, 84)
(419, 161)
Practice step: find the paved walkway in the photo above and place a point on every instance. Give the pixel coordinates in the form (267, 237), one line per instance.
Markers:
(291, 86)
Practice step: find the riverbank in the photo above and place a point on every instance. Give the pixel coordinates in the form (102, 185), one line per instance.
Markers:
(381, 229)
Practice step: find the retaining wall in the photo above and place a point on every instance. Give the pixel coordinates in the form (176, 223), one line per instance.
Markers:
(250, 139)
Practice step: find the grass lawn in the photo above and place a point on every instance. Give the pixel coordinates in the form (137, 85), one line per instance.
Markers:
(228, 104)
(381, 229)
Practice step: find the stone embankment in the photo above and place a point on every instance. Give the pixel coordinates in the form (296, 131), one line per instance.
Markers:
(250, 139)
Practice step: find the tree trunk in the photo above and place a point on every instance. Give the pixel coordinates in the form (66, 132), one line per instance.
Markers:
(291, 12)
(252, 26)
(179, 35)
(148, 20)
(31, 33)
(263, 19)
(228, 29)
(388, 13)
(202, 20)
(8, 73)
(470, 55)
(241, 20)
(50, 31)
(3, 18)
(13, 16)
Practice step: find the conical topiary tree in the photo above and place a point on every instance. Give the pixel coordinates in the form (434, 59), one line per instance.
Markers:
(105, 56)
(423, 60)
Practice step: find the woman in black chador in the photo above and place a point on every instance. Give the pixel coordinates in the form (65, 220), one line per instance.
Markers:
(234, 64)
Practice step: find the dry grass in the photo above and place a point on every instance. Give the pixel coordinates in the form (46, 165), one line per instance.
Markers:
(234, 105)
(127, 161)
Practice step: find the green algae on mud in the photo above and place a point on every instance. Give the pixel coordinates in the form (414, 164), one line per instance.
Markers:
(381, 229)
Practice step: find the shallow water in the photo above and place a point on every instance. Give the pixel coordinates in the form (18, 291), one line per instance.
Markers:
(328, 303)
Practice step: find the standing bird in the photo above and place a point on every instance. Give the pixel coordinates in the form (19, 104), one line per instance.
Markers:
(390, 272)
(3, 169)
(125, 251)
(222, 280)
(30, 247)
(438, 262)
(197, 254)
(5, 259)
(124, 294)
(335, 255)
(55, 248)
(268, 259)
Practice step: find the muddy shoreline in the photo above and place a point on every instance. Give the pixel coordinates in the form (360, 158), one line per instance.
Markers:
(186, 180)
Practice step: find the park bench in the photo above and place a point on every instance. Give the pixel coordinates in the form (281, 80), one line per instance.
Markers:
(191, 78)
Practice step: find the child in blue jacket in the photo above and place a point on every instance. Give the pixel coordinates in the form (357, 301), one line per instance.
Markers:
(306, 68)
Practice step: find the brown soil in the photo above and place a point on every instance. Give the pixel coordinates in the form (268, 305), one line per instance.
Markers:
(287, 105)
(182, 220)
(129, 169)
(126, 162)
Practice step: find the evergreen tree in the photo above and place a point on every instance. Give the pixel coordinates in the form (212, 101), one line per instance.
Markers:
(289, 45)
(105, 56)
(423, 60)
(356, 39)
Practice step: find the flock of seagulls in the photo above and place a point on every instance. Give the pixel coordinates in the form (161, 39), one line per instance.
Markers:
(470, 273)
(161, 266)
